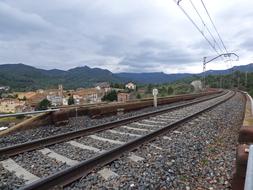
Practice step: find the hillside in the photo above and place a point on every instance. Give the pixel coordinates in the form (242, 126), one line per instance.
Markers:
(155, 78)
(22, 77)
(242, 68)
(160, 77)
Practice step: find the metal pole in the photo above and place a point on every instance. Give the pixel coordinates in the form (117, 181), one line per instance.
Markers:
(204, 73)
(205, 61)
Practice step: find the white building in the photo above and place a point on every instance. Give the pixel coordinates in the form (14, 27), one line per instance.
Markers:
(131, 86)
(105, 86)
(197, 84)
(55, 96)
(55, 100)
(4, 88)
(88, 95)
(65, 101)
(11, 105)
(77, 99)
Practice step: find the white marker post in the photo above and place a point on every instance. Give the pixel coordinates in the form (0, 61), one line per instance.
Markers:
(155, 93)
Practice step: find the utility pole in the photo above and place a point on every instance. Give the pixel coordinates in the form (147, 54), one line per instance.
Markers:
(205, 61)
(233, 78)
(178, 2)
(204, 73)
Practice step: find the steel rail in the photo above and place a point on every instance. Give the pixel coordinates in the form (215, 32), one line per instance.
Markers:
(40, 143)
(69, 175)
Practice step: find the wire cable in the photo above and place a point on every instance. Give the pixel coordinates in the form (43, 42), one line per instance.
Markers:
(196, 26)
(214, 26)
(204, 24)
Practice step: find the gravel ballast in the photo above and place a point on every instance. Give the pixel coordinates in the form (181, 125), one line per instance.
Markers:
(39, 164)
(199, 155)
(8, 180)
(97, 144)
(72, 152)
(74, 124)
(113, 136)
(165, 162)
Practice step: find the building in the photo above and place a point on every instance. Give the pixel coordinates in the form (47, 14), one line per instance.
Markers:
(65, 101)
(88, 95)
(123, 96)
(130, 86)
(23, 108)
(40, 91)
(117, 89)
(36, 99)
(11, 105)
(78, 100)
(197, 84)
(103, 86)
(55, 100)
(55, 96)
(4, 88)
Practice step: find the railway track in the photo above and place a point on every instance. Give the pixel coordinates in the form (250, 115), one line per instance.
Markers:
(62, 159)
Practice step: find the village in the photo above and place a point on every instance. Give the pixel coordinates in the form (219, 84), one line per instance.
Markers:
(17, 102)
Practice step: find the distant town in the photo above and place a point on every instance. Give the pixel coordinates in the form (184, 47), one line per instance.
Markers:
(44, 98)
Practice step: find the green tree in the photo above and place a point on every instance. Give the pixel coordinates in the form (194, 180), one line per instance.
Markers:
(183, 88)
(138, 96)
(162, 91)
(44, 104)
(170, 90)
(71, 100)
(111, 96)
(149, 88)
(118, 85)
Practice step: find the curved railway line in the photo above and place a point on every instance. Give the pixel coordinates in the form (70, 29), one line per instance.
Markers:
(97, 146)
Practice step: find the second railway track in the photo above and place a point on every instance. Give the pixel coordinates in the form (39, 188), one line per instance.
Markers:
(62, 159)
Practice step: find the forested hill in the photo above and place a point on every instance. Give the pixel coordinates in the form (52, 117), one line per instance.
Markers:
(22, 77)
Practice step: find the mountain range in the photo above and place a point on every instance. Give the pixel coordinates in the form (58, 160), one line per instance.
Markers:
(24, 77)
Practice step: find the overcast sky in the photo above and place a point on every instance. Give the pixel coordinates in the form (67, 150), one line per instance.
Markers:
(121, 35)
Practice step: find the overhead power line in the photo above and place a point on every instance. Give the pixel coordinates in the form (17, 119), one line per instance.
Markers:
(196, 26)
(205, 25)
(214, 26)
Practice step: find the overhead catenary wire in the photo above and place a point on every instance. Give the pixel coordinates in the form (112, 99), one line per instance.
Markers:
(205, 25)
(218, 34)
(214, 25)
(197, 27)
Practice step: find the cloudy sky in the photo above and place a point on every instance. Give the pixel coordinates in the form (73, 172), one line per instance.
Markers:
(121, 35)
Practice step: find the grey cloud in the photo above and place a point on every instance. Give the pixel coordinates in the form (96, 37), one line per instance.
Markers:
(126, 35)
(248, 44)
(13, 20)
